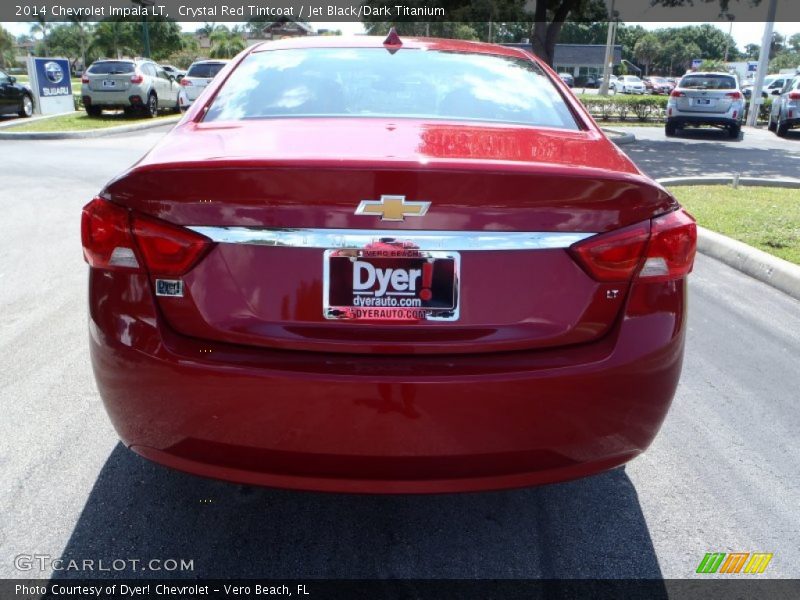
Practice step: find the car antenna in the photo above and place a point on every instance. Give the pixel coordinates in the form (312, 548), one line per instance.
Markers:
(392, 43)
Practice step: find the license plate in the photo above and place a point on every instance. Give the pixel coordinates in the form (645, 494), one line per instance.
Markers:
(388, 283)
(109, 83)
(703, 101)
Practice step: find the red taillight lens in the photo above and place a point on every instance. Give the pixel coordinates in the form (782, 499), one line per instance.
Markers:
(794, 95)
(111, 235)
(168, 249)
(673, 243)
(84, 79)
(613, 256)
(677, 94)
(185, 82)
(106, 236)
(137, 78)
(734, 95)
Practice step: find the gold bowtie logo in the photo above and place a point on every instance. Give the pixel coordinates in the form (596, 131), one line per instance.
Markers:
(392, 208)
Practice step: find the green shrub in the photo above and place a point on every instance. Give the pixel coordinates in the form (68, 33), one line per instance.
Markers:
(619, 107)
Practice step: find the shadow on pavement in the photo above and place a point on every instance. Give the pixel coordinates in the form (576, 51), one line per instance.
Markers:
(589, 528)
(721, 155)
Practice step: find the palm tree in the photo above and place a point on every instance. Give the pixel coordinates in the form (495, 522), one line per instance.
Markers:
(113, 38)
(226, 43)
(41, 26)
(84, 36)
(6, 48)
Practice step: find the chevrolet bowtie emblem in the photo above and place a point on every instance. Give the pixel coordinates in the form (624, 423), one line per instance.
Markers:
(392, 208)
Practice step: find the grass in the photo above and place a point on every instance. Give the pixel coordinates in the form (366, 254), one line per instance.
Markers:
(78, 121)
(767, 218)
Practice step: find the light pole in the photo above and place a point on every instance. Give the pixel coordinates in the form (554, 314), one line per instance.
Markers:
(145, 30)
(763, 63)
(612, 33)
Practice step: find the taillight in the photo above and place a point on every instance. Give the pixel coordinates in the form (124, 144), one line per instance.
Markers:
(676, 94)
(794, 95)
(663, 247)
(168, 249)
(673, 243)
(137, 78)
(734, 95)
(106, 236)
(84, 78)
(111, 235)
(613, 256)
(185, 82)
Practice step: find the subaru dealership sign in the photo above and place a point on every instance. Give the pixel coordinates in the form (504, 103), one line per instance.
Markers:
(50, 81)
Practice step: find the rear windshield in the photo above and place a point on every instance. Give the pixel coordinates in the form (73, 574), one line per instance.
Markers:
(372, 82)
(207, 70)
(112, 67)
(709, 82)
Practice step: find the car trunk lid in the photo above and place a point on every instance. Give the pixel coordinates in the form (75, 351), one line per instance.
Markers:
(283, 205)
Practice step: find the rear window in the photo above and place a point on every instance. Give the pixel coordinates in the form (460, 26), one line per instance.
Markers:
(112, 67)
(206, 70)
(709, 82)
(371, 82)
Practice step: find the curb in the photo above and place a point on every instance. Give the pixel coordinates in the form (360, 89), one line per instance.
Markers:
(785, 182)
(90, 133)
(774, 271)
(618, 137)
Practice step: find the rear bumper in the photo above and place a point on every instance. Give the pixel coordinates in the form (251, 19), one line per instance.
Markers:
(720, 119)
(383, 424)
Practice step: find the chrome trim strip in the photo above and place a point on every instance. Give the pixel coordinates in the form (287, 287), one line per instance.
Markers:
(355, 239)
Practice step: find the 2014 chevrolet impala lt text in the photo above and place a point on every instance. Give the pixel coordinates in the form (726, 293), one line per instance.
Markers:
(400, 265)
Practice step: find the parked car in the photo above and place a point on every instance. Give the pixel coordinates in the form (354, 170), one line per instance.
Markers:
(706, 99)
(177, 73)
(568, 79)
(424, 270)
(588, 81)
(199, 75)
(657, 85)
(773, 84)
(629, 84)
(15, 98)
(135, 86)
(785, 112)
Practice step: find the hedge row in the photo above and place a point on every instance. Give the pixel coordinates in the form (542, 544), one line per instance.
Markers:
(641, 108)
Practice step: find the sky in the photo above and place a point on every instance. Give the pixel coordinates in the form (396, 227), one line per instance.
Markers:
(743, 32)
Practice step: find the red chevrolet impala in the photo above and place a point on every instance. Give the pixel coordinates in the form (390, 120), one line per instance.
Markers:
(401, 265)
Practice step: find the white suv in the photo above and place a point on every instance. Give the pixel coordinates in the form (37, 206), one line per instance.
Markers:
(785, 113)
(196, 79)
(133, 85)
(706, 99)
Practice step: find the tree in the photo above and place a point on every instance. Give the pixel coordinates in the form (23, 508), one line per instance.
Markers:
(83, 30)
(646, 51)
(752, 51)
(165, 37)
(113, 38)
(226, 43)
(6, 47)
(794, 42)
(41, 26)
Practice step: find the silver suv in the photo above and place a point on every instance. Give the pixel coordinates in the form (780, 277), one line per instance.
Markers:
(785, 112)
(706, 99)
(136, 86)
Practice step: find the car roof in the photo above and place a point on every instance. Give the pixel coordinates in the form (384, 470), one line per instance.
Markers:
(707, 73)
(374, 41)
(211, 61)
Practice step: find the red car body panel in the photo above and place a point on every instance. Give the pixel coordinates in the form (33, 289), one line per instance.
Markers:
(244, 379)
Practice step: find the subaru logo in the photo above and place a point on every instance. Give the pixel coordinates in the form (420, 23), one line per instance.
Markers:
(53, 72)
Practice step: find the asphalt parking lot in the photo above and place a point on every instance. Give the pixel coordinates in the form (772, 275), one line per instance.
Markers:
(721, 476)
